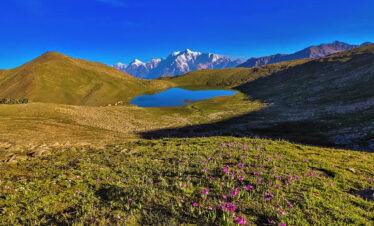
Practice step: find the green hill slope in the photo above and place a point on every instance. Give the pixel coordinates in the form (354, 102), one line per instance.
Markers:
(230, 77)
(56, 78)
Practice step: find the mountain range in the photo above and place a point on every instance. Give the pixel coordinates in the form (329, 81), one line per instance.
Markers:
(182, 62)
(177, 63)
(309, 52)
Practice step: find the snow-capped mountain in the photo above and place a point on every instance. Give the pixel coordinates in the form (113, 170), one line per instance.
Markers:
(177, 63)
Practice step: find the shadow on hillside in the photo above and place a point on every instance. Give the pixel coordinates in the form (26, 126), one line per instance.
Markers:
(258, 124)
(308, 132)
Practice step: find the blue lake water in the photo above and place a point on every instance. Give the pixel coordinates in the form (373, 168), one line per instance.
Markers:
(178, 97)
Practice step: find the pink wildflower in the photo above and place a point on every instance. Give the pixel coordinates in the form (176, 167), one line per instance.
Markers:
(259, 180)
(277, 186)
(240, 165)
(195, 204)
(241, 178)
(282, 224)
(205, 191)
(230, 207)
(205, 169)
(181, 201)
(240, 220)
(248, 187)
(234, 193)
(280, 212)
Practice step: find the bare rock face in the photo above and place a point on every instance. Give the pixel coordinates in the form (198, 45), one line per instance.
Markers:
(367, 194)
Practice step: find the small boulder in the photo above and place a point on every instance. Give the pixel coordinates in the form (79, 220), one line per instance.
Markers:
(352, 170)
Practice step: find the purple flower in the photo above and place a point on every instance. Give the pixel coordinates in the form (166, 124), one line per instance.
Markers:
(280, 212)
(211, 178)
(259, 180)
(230, 207)
(282, 224)
(205, 191)
(248, 187)
(185, 185)
(181, 201)
(195, 204)
(310, 174)
(118, 217)
(97, 180)
(267, 199)
(241, 178)
(289, 204)
(257, 173)
(240, 165)
(205, 169)
(331, 184)
(270, 184)
(277, 186)
(234, 192)
(77, 192)
(210, 208)
(70, 179)
(315, 194)
(222, 183)
(240, 220)
(78, 177)
(225, 170)
(224, 196)
(230, 153)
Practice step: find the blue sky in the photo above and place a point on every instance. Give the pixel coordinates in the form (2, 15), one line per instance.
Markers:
(109, 31)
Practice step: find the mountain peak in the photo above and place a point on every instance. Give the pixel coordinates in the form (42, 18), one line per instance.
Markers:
(137, 62)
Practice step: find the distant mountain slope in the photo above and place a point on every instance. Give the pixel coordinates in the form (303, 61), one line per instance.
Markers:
(177, 63)
(229, 77)
(57, 78)
(310, 52)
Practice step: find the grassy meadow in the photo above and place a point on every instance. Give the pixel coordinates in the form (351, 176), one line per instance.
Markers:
(202, 181)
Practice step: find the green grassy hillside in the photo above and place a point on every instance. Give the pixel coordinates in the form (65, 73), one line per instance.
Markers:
(201, 181)
(228, 78)
(56, 78)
